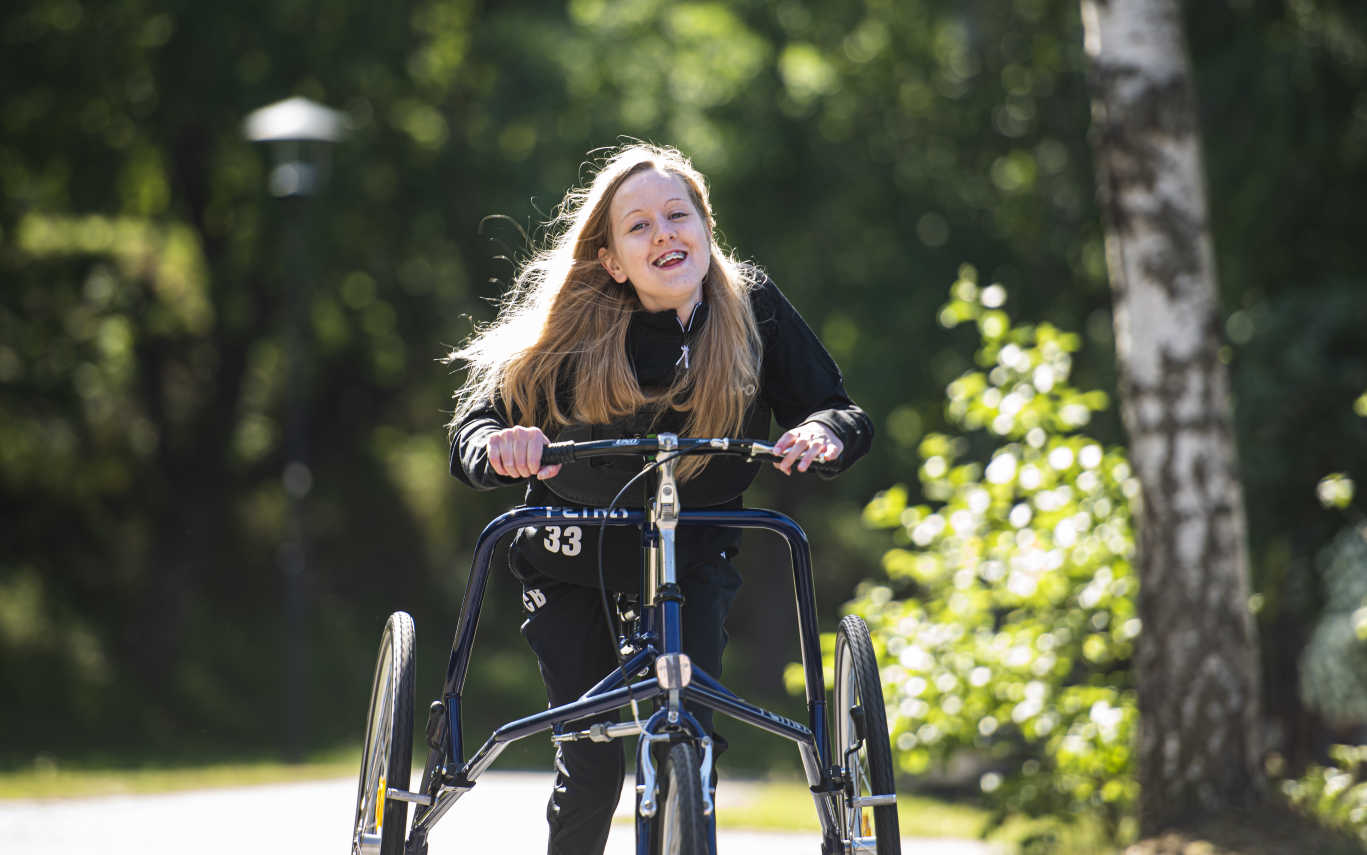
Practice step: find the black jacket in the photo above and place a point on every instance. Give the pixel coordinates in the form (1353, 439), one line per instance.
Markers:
(799, 382)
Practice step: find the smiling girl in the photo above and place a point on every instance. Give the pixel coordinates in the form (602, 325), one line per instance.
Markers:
(633, 321)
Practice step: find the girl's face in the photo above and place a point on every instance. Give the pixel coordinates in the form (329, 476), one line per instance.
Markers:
(658, 241)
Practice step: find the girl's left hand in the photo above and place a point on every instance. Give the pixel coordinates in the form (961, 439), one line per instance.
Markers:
(807, 443)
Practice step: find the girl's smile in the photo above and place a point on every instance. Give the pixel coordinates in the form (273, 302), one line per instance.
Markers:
(670, 259)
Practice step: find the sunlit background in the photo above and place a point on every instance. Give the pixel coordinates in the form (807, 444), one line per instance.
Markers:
(222, 402)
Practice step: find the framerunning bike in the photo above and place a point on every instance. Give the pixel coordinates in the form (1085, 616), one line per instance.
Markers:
(852, 786)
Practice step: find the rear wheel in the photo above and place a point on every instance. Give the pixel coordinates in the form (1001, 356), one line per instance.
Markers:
(680, 827)
(868, 809)
(387, 752)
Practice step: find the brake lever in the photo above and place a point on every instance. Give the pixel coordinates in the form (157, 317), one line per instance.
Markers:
(827, 468)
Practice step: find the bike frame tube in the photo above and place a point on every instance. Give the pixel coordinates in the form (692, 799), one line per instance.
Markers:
(621, 674)
(592, 703)
(744, 711)
(533, 724)
(809, 636)
(473, 600)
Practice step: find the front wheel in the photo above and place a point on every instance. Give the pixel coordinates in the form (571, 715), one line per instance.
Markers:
(387, 752)
(680, 827)
(868, 809)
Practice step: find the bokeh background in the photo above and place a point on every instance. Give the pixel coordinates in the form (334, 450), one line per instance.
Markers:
(222, 455)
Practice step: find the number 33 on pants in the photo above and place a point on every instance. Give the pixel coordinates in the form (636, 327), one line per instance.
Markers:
(566, 541)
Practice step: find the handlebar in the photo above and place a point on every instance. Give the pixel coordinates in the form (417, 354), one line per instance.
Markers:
(568, 451)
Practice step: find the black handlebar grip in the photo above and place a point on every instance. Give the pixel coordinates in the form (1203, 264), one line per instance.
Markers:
(557, 452)
(828, 470)
(816, 467)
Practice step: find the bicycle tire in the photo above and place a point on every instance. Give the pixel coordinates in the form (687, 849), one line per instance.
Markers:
(387, 752)
(861, 744)
(680, 827)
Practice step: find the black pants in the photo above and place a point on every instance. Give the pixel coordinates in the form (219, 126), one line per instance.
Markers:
(567, 630)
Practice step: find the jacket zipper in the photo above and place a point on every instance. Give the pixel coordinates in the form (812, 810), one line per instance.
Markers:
(683, 348)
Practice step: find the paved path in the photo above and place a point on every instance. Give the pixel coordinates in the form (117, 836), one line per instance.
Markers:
(503, 814)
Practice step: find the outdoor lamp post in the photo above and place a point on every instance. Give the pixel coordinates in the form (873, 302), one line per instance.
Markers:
(300, 135)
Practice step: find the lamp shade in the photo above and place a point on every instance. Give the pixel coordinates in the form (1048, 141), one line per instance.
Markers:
(295, 118)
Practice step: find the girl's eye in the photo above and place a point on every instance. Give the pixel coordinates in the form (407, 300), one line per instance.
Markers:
(637, 227)
(678, 215)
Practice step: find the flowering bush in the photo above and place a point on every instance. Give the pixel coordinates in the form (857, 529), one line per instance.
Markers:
(1336, 795)
(1006, 623)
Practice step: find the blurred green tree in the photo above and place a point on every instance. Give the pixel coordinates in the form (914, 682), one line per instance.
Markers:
(859, 151)
(144, 314)
(1280, 89)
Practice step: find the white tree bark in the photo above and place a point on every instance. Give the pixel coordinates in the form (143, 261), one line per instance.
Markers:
(1196, 661)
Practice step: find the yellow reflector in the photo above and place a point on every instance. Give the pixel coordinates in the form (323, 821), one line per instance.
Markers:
(379, 805)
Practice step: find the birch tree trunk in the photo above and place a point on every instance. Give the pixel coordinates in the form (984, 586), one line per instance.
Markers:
(1196, 661)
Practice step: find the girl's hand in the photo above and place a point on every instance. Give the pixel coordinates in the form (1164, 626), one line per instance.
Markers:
(515, 452)
(808, 442)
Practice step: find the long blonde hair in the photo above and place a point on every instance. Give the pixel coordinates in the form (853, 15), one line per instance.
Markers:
(562, 325)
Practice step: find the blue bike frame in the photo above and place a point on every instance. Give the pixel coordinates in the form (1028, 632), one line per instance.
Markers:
(659, 638)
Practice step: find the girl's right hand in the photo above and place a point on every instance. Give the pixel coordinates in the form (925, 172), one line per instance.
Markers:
(515, 452)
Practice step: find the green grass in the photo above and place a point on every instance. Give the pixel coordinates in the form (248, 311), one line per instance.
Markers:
(45, 778)
(787, 805)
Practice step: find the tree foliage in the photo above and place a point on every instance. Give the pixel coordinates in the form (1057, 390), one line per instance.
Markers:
(1335, 793)
(153, 289)
(859, 151)
(1007, 622)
